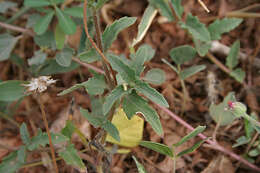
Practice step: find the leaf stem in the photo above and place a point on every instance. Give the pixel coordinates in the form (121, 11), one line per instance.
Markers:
(184, 90)
(174, 159)
(218, 63)
(48, 132)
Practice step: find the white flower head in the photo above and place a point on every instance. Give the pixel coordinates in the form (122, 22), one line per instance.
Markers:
(39, 84)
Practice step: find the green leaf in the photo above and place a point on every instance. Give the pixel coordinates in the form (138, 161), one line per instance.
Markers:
(25, 134)
(144, 53)
(151, 93)
(10, 163)
(115, 94)
(133, 103)
(42, 24)
(232, 58)
(164, 8)
(42, 140)
(241, 141)
(32, 20)
(95, 85)
(184, 74)
(160, 148)
(249, 129)
(38, 3)
(155, 76)
(60, 37)
(146, 21)
(51, 67)
(7, 43)
(219, 27)
(254, 152)
(219, 113)
(96, 121)
(192, 134)
(5, 5)
(238, 74)
(191, 149)
(69, 129)
(182, 54)
(21, 154)
(170, 65)
(202, 47)
(89, 56)
(111, 32)
(177, 7)
(71, 157)
(100, 3)
(65, 22)
(57, 1)
(197, 29)
(38, 58)
(125, 71)
(140, 167)
(74, 11)
(11, 90)
(45, 40)
(64, 57)
(111, 129)
(73, 88)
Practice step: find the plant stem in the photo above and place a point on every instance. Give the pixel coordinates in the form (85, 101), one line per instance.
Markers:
(218, 63)
(88, 65)
(174, 159)
(6, 117)
(48, 132)
(99, 43)
(104, 59)
(185, 92)
(242, 14)
(16, 28)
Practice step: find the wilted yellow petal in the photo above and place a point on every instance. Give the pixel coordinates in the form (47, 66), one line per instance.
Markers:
(130, 131)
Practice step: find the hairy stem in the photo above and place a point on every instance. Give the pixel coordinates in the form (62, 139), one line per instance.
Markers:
(48, 132)
(103, 57)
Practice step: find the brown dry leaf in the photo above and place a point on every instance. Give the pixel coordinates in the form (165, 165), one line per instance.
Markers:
(11, 142)
(78, 120)
(47, 162)
(220, 164)
(74, 40)
(167, 165)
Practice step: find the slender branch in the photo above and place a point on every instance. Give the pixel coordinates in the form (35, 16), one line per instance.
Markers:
(104, 59)
(48, 132)
(98, 30)
(88, 65)
(218, 63)
(16, 28)
(249, 7)
(242, 14)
